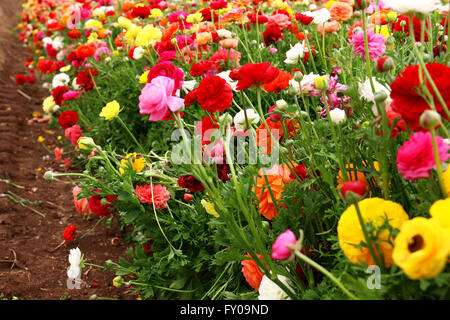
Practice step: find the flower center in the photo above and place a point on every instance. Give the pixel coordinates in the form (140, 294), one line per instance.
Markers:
(415, 243)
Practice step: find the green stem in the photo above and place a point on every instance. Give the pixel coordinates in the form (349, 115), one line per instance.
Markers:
(131, 135)
(438, 163)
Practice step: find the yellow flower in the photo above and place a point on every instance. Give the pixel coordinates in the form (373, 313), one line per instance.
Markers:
(421, 248)
(375, 211)
(111, 110)
(48, 104)
(194, 18)
(117, 281)
(383, 30)
(94, 25)
(144, 77)
(86, 143)
(138, 163)
(156, 13)
(446, 177)
(65, 68)
(125, 23)
(41, 139)
(329, 4)
(209, 207)
(149, 35)
(132, 33)
(440, 210)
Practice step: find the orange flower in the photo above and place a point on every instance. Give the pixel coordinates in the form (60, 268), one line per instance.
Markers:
(266, 203)
(229, 43)
(251, 272)
(329, 27)
(354, 175)
(279, 83)
(264, 137)
(341, 11)
(169, 32)
(203, 38)
(379, 17)
(127, 7)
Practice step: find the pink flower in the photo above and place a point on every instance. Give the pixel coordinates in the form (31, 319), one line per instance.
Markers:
(280, 251)
(159, 196)
(102, 51)
(73, 134)
(167, 69)
(375, 42)
(81, 205)
(279, 20)
(58, 154)
(273, 50)
(415, 158)
(156, 98)
(71, 95)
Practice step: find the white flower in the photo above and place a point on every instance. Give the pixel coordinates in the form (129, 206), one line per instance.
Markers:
(225, 75)
(61, 79)
(320, 16)
(138, 53)
(293, 84)
(269, 290)
(365, 90)
(222, 33)
(295, 53)
(75, 257)
(188, 85)
(73, 272)
(409, 6)
(58, 43)
(239, 119)
(337, 115)
(307, 82)
(60, 56)
(75, 86)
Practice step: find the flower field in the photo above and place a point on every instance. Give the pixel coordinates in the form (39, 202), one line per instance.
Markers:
(251, 150)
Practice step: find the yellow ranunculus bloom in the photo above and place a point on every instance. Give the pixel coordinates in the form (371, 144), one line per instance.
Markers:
(421, 248)
(440, 210)
(111, 110)
(144, 77)
(138, 163)
(41, 139)
(125, 23)
(446, 178)
(132, 33)
(156, 13)
(194, 18)
(209, 207)
(149, 35)
(48, 104)
(376, 211)
(94, 25)
(86, 143)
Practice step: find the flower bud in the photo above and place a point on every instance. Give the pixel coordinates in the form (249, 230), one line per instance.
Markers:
(430, 119)
(117, 282)
(353, 191)
(104, 201)
(391, 16)
(380, 96)
(265, 225)
(187, 197)
(361, 4)
(86, 143)
(385, 64)
(321, 83)
(49, 176)
(402, 23)
(280, 250)
(298, 76)
(281, 105)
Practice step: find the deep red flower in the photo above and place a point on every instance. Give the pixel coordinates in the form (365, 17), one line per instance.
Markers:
(222, 172)
(206, 127)
(141, 12)
(84, 78)
(303, 18)
(74, 34)
(405, 29)
(200, 68)
(67, 119)
(408, 103)
(21, 79)
(351, 189)
(254, 74)
(45, 66)
(213, 94)
(58, 94)
(272, 34)
(280, 83)
(219, 4)
(69, 233)
(189, 182)
(96, 206)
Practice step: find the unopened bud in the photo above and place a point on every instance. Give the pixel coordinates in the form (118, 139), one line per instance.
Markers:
(391, 16)
(385, 64)
(380, 96)
(49, 176)
(86, 143)
(321, 83)
(104, 201)
(402, 23)
(298, 76)
(281, 105)
(430, 119)
(353, 191)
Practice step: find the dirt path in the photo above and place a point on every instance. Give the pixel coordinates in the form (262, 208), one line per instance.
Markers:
(28, 267)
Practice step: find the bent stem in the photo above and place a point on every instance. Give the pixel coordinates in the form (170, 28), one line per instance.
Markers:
(92, 229)
(131, 135)
(324, 271)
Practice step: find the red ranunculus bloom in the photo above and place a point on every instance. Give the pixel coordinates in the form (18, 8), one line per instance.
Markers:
(58, 93)
(280, 83)
(141, 12)
(408, 103)
(254, 74)
(405, 29)
(213, 94)
(84, 78)
(190, 183)
(96, 206)
(67, 119)
(200, 68)
(303, 18)
(69, 233)
(272, 34)
(21, 79)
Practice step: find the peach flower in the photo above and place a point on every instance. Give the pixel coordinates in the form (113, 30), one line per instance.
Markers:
(330, 27)
(203, 38)
(81, 205)
(341, 11)
(229, 43)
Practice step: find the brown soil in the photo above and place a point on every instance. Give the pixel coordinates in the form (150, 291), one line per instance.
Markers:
(29, 268)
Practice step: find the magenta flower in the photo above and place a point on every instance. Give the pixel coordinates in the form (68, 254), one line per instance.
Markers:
(71, 95)
(415, 158)
(375, 43)
(280, 251)
(156, 98)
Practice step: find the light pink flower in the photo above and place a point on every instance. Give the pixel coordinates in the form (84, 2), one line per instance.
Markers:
(159, 197)
(415, 158)
(279, 20)
(375, 43)
(280, 251)
(156, 98)
(102, 51)
(81, 205)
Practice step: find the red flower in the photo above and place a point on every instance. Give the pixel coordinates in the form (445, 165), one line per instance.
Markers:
(21, 79)
(190, 183)
(58, 154)
(148, 246)
(405, 29)
(251, 272)
(200, 68)
(96, 206)
(213, 94)
(219, 4)
(67, 119)
(254, 74)
(303, 18)
(141, 11)
(74, 34)
(45, 66)
(272, 34)
(206, 128)
(279, 83)
(408, 103)
(58, 94)
(187, 197)
(84, 78)
(69, 233)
